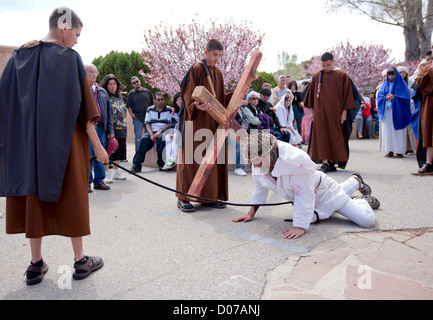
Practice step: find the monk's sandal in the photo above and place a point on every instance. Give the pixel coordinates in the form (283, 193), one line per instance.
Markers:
(86, 266)
(35, 272)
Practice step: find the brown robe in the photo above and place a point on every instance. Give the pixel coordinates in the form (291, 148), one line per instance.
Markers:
(425, 83)
(329, 139)
(216, 186)
(70, 216)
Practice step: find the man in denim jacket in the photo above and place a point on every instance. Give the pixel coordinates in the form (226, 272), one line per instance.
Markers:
(104, 129)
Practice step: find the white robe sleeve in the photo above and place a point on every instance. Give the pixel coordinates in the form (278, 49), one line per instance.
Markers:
(260, 192)
(304, 200)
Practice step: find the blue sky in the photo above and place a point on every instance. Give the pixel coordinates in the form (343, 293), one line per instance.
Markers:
(303, 28)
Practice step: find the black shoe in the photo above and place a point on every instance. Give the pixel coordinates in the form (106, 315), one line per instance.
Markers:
(185, 206)
(216, 205)
(426, 169)
(326, 168)
(135, 170)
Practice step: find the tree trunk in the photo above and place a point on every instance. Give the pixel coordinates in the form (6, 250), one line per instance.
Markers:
(425, 30)
(410, 32)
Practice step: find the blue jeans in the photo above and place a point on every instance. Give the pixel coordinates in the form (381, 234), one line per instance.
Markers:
(376, 126)
(95, 165)
(360, 124)
(139, 126)
(276, 133)
(145, 145)
(237, 151)
(284, 137)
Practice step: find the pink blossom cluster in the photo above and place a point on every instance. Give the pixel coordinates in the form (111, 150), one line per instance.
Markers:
(169, 52)
(364, 64)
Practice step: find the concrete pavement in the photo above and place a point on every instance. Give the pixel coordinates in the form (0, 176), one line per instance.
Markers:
(152, 250)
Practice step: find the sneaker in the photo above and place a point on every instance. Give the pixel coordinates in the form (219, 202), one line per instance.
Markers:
(240, 172)
(117, 175)
(168, 165)
(135, 170)
(108, 179)
(426, 169)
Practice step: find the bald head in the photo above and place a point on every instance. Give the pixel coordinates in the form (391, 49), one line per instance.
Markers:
(92, 73)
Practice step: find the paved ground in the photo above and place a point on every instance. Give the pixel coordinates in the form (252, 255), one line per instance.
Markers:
(154, 251)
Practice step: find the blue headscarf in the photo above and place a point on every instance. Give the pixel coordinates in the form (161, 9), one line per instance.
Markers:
(400, 104)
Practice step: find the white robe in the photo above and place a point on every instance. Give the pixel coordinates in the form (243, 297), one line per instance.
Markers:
(392, 140)
(286, 118)
(310, 190)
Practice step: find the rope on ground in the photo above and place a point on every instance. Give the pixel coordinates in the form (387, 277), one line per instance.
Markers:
(196, 197)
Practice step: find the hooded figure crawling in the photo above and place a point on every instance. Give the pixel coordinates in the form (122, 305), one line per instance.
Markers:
(290, 172)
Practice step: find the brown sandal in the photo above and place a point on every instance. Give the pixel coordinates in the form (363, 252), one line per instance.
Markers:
(363, 187)
(372, 201)
(389, 155)
(41, 271)
(83, 270)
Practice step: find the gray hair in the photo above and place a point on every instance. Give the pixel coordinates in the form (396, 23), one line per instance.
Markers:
(252, 94)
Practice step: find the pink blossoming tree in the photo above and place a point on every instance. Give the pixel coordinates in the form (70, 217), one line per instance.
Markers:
(170, 52)
(364, 64)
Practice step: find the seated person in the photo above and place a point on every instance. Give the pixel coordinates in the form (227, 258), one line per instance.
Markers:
(290, 172)
(284, 110)
(252, 111)
(158, 118)
(364, 114)
(266, 107)
(172, 137)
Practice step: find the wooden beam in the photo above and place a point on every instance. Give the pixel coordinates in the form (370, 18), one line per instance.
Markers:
(217, 111)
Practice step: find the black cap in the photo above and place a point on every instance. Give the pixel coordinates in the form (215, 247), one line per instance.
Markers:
(266, 91)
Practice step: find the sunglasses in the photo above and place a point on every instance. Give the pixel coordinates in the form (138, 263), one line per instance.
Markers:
(135, 82)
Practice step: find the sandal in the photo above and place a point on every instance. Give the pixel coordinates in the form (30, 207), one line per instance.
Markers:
(185, 206)
(372, 201)
(217, 205)
(35, 274)
(86, 266)
(398, 155)
(363, 187)
(389, 155)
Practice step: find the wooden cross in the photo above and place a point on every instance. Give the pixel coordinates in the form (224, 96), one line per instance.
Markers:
(225, 118)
